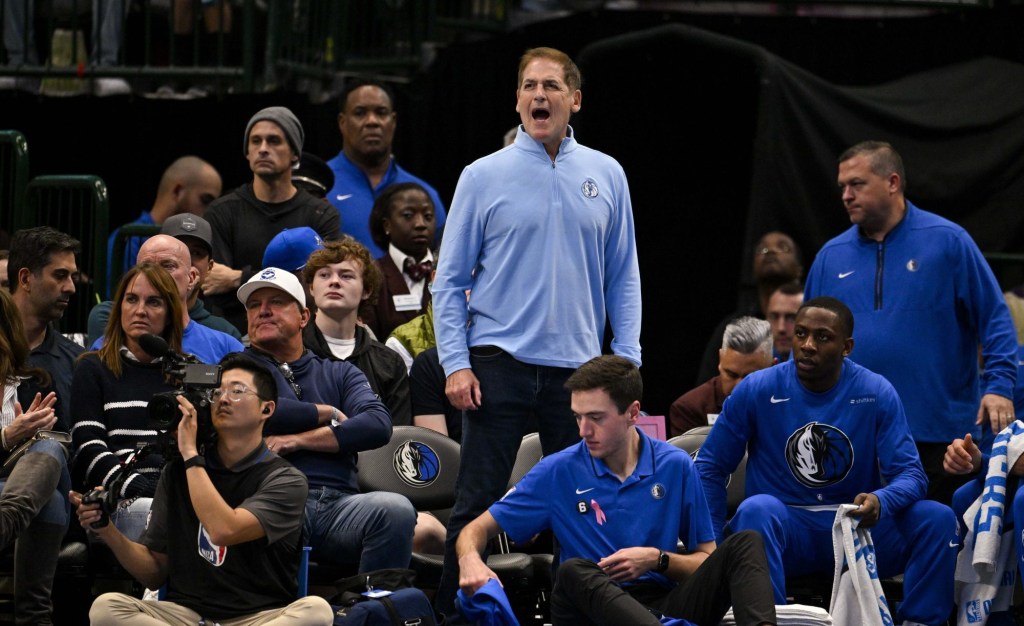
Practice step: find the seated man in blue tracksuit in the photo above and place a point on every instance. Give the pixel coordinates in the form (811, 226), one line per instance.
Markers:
(618, 504)
(965, 456)
(821, 431)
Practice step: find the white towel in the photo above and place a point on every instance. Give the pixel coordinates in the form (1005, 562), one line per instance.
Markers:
(857, 597)
(791, 615)
(981, 587)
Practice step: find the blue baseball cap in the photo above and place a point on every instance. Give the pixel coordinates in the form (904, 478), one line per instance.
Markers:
(290, 248)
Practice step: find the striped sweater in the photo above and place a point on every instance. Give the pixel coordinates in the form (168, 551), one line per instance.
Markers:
(109, 421)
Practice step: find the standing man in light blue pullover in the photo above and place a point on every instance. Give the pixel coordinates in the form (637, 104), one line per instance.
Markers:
(542, 233)
(925, 299)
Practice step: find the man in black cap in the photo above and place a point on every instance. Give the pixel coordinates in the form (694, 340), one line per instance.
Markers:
(194, 232)
(270, 203)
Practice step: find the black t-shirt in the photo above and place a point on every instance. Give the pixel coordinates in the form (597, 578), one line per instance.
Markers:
(223, 582)
(426, 385)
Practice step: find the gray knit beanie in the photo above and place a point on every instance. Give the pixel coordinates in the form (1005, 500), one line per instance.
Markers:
(284, 118)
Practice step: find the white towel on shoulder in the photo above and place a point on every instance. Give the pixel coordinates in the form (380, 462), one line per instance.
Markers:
(981, 587)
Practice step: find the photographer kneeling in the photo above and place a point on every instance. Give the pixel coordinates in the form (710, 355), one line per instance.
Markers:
(225, 530)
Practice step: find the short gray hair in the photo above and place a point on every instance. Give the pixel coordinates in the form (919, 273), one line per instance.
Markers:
(747, 335)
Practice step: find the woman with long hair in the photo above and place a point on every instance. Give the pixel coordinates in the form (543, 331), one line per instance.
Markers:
(111, 390)
(34, 480)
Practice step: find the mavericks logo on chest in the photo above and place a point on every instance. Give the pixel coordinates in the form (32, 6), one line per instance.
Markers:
(819, 455)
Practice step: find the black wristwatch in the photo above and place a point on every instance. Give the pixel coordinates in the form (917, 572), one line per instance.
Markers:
(662, 561)
(196, 461)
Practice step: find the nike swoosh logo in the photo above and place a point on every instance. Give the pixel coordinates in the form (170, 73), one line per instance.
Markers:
(953, 545)
(581, 492)
(340, 197)
(775, 400)
(841, 274)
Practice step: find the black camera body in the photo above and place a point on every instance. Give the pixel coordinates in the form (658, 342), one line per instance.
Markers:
(194, 381)
(107, 500)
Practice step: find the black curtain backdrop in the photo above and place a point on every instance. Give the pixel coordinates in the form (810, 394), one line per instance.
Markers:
(960, 130)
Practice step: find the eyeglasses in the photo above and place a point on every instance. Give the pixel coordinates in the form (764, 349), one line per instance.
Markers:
(289, 375)
(234, 394)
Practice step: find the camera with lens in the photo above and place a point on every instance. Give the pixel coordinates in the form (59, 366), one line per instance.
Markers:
(108, 502)
(194, 382)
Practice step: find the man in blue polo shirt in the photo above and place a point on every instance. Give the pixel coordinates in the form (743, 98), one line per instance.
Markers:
(365, 165)
(619, 503)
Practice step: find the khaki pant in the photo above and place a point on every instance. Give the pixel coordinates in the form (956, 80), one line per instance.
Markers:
(121, 609)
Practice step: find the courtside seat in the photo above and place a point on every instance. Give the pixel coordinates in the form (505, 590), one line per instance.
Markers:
(691, 441)
(423, 465)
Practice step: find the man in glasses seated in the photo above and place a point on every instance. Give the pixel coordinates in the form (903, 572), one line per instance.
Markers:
(326, 413)
(222, 514)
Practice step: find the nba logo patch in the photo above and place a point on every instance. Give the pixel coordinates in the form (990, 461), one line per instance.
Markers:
(210, 551)
(972, 611)
(416, 464)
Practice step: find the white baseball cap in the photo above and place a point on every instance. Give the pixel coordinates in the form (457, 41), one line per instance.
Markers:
(276, 278)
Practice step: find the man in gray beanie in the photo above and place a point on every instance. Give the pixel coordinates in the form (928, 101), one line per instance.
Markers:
(245, 220)
(286, 122)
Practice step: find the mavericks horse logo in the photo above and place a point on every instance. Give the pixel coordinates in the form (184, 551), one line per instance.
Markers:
(819, 455)
(416, 464)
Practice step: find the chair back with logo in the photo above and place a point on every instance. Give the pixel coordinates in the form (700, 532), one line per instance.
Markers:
(418, 463)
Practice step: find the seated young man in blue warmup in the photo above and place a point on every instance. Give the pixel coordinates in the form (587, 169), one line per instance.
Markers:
(821, 431)
(619, 503)
(964, 456)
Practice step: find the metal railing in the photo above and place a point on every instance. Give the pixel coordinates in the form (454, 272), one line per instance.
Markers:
(139, 39)
(324, 39)
(244, 45)
(13, 176)
(78, 206)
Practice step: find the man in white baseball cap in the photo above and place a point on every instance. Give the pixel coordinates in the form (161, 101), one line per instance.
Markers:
(326, 413)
